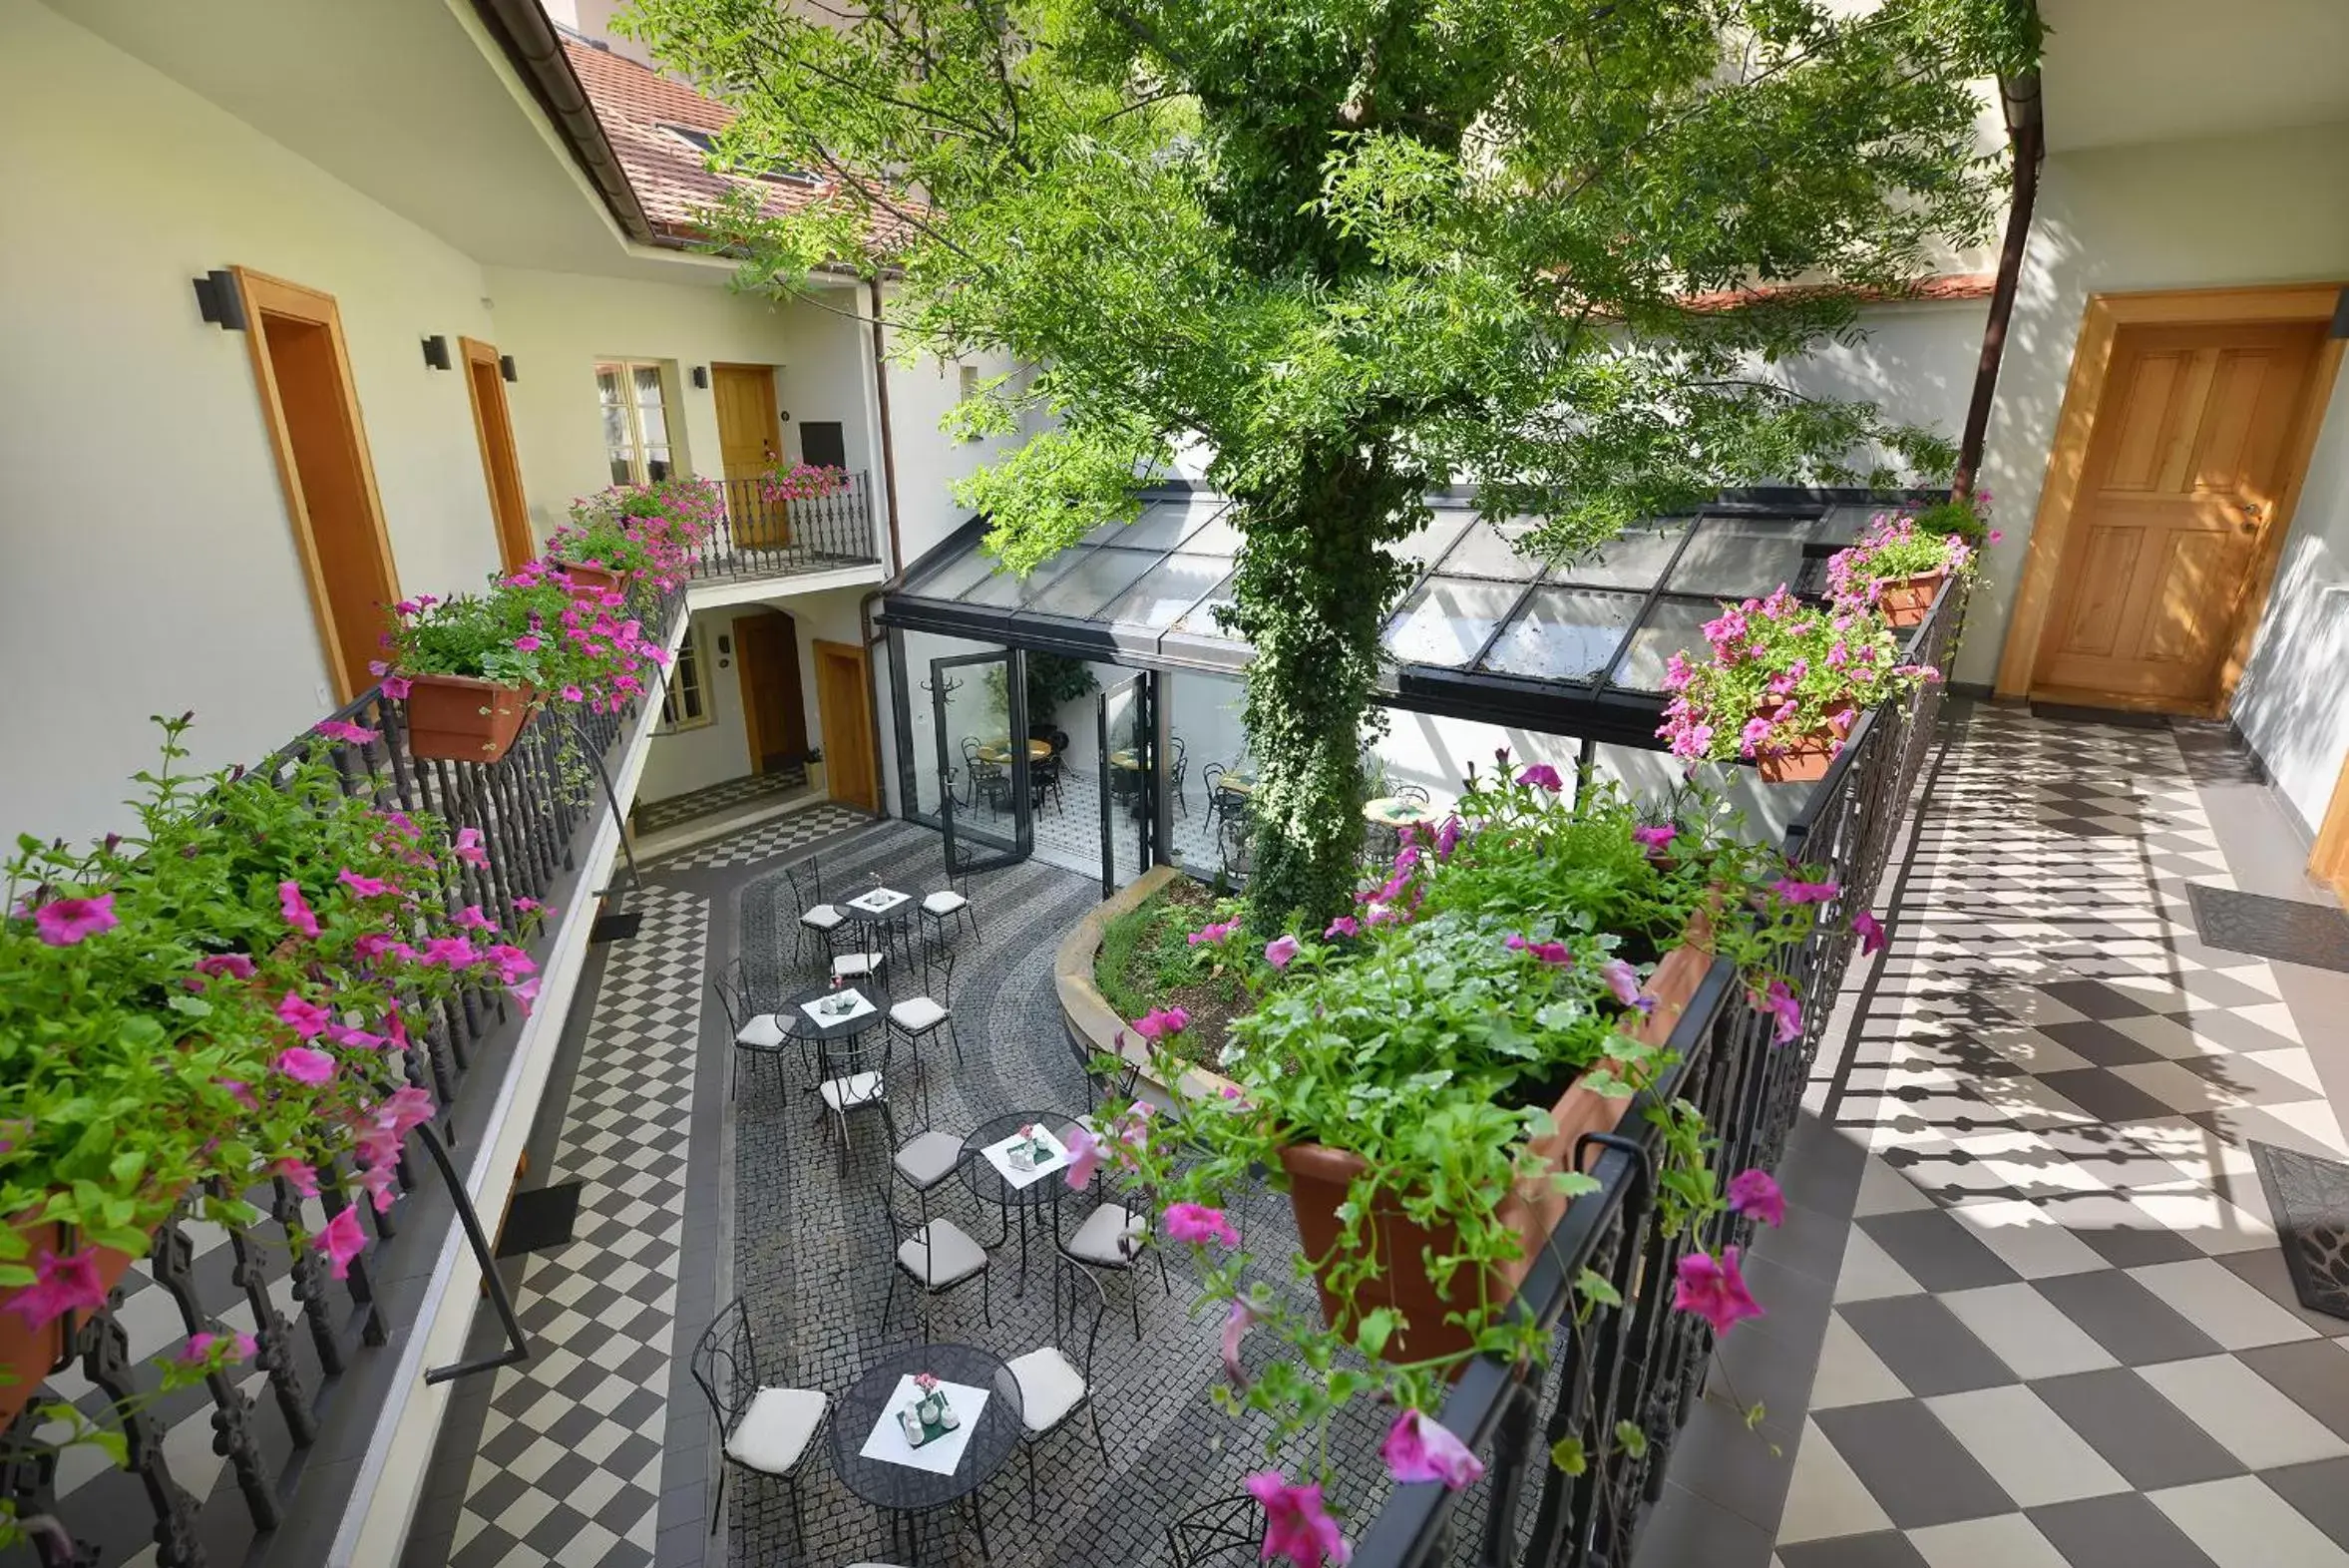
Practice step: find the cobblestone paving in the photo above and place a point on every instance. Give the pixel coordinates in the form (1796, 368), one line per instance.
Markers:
(812, 1256)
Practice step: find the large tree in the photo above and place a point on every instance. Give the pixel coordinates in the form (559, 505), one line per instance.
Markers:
(1362, 249)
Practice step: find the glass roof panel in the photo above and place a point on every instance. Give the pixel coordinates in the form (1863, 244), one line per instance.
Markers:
(1675, 626)
(1162, 525)
(1565, 633)
(1167, 589)
(1100, 576)
(1426, 543)
(1634, 559)
(1740, 557)
(1446, 621)
(1487, 551)
(1201, 621)
(1004, 589)
(951, 577)
(1217, 535)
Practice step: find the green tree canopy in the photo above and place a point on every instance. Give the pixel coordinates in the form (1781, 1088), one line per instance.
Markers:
(1362, 249)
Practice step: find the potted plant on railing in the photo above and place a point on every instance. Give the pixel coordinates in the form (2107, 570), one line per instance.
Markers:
(632, 533)
(1897, 568)
(220, 1000)
(1784, 685)
(471, 667)
(1418, 1074)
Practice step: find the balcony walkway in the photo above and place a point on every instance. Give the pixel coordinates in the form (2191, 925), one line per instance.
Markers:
(2056, 1327)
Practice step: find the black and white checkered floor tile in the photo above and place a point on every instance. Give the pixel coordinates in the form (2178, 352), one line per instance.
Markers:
(786, 835)
(2063, 1336)
(568, 1467)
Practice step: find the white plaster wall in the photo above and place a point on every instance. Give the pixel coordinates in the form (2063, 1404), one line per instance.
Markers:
(2293, 702)
(830, 377)
(2255, 208)
(684, 760)
(146, 563)
(929, 461)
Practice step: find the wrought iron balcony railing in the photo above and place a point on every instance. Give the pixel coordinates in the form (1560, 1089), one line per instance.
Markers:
(764, 535)
(258, 1464)
(1642, 1361)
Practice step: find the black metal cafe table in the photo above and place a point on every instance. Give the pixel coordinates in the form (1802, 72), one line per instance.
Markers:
(902, 1490)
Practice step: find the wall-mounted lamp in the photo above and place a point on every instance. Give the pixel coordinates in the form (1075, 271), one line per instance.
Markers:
(222, 304)
(436, 352)
(701, 377)
(725, 644)
(506, 367)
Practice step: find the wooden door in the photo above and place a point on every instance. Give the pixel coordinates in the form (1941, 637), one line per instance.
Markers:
(749, 444)
(493, 429)
(2180, 485)
(2329, 863)
(313, 414)
(774, 714)
(850, 766)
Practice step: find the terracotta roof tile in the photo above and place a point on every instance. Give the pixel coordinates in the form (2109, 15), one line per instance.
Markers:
(672, 182)
(1942, 288)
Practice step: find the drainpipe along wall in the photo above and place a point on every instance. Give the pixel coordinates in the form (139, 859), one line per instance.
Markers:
(896, 556)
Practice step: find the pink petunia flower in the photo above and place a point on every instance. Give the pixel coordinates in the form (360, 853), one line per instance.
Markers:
(1548, 952)
(1655, 838)
(573, 695)
(1237, 1323)
(1159, 1023)
(199, 1348)
(59, 1286)
(1280, 951)
(1869, 930)
(1213, 933)
(342, 1241)
(344, 729)
(1447, 837)
(1418, 1449)
(64, 923)
(527, 993)
(528, 643)
(395, 686)
(296, 909)
(1794, 890)
(300, 1173)
(468, 847)
(1342, 925)
(1780, 1001)
(1197, 1223)
(1542, 776)
(1624, 981)
(306, 1018)
(1297, 1524)
(235, 966)
(364, 886)
(305, 1066)
(1084, 1157)
(1714, 1290)
(1757, 1193)
(472, 918)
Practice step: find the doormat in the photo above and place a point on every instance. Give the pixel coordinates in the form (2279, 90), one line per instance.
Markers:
(540, 1220)
(2309, 1198)
(2065, 713)
(2286, 930)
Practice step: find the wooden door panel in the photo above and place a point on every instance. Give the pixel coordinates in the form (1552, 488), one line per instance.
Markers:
(2182, 472)
(851, 769)
(749, 437)
(774, 719)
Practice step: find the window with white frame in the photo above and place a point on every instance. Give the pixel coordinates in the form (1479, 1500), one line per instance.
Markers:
(685, 706)
(635, 413)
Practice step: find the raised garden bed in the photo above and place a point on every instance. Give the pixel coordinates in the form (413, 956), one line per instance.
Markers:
(1095, 1021)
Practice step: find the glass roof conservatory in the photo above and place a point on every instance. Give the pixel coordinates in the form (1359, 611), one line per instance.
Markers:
(1577, 647)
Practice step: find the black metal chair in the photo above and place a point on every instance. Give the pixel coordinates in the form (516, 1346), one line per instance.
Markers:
(1226, 1533)
(819, 922)
(755, 1033)
(924, 1017)
(987, 778)
(1176, 773)
(1212, 778)
(938, 1256)
(1052, 1388)
(853, 1077)
(765, 1429)
(1109, 1239)
(951, 905)
(1233, 833)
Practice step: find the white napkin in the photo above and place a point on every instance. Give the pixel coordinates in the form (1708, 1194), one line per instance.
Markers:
(940, 1455)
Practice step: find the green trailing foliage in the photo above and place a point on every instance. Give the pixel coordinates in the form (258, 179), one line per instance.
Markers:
(1360, 253)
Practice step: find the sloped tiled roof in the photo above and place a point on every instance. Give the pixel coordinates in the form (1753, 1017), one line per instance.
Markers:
(636, 106)
(1942, 286)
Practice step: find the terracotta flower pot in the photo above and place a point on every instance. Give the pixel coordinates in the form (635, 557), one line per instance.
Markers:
(1318, 1177)
(586, 580)
(460, 718)
(27, 1353)
(1807, 761)
(1905, 602)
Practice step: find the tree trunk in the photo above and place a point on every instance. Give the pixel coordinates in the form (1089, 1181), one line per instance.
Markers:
(1311, 590)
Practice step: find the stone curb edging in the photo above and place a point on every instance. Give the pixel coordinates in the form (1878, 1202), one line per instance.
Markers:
(1093, 1026)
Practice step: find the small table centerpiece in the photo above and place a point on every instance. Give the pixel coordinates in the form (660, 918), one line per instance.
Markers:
(1025, 1154)
(929, 1418)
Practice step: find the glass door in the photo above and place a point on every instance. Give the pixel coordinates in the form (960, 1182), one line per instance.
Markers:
(979, 740)
(1128, 780)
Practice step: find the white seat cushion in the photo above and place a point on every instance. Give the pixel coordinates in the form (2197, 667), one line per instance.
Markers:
(1098, 1239)
(929, 1159)
(821, 916)
(774, 1432)
(939, 1253)
(1049, 1388)
(945, 903)
(761, 1033)
(846, 1094)
(857, 964)
(917, 1014)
